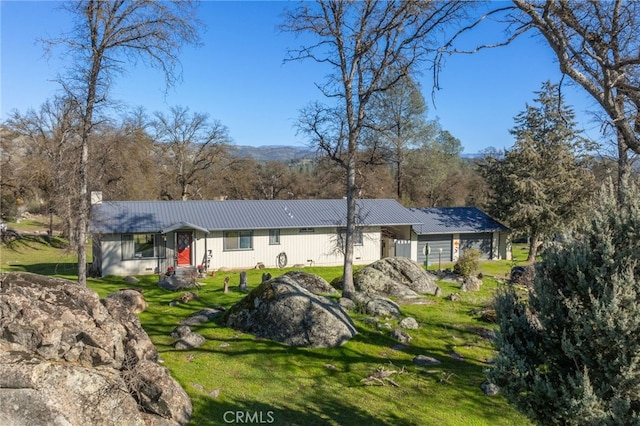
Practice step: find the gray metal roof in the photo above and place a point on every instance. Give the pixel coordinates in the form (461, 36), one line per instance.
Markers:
(455, 220)
(111, 217)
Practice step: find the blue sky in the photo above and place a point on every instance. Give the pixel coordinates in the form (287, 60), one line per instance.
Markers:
(238, 76)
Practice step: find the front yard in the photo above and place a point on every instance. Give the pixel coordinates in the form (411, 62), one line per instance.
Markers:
(236, 378)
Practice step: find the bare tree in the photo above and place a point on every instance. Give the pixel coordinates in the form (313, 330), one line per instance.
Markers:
(274, 181)
(107, 35)
(597, 44)
(45, 164)
(190, 145)
(124, 163)
(363, 42)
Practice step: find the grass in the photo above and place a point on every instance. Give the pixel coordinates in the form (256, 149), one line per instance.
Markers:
(237, 378)
(499, 269)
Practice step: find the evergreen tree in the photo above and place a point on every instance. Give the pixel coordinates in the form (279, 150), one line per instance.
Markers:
(398, 124)
(433, 171)
(570, 354)
(541, 185)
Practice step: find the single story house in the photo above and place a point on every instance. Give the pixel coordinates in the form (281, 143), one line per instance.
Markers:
(138, 237)
(444, 233)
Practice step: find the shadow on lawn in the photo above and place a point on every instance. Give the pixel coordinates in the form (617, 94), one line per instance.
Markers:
(35, 242)
(364, 353)
(280, 354)
(49, 269)
(330, 410)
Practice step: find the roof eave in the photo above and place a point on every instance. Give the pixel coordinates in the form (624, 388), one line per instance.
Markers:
(183, 225)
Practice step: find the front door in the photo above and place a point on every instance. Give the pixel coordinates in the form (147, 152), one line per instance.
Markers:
(184, 248)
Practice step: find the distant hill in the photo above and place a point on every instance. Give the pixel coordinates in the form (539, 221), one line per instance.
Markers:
(472, 155)
(273, 152)
(288, 153)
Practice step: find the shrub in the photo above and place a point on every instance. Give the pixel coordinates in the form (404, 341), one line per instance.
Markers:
(9, 210)
(468, 263)
(568, 353)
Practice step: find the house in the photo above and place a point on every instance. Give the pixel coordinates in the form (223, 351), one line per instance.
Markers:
(144, 237)
(444, 233)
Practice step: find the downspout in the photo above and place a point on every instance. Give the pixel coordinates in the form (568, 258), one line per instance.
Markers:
(206, 252)
(175, 250)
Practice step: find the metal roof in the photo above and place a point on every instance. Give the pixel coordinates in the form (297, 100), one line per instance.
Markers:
(455, 220)
(112, 217)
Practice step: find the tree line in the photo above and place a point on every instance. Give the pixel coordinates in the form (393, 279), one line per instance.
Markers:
(539, 187)
(185, 155)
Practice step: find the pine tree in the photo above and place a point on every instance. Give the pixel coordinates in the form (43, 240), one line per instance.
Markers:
(570, 354)
(540, 185)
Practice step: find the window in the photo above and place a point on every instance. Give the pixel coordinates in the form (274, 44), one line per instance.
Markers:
(357, 236)
(307, 230)
(238, 240)
(274, 237)
(142, 246)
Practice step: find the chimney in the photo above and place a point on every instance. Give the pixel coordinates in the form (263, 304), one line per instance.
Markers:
(96, 197)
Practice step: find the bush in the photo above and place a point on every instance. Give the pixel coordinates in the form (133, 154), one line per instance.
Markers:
(568, 353)
(9, 208)
(468, 263)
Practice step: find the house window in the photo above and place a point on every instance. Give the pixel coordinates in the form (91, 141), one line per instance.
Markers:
(142, 246)
(238, 240)
(357, 236)
(274, 237)
(307, 230)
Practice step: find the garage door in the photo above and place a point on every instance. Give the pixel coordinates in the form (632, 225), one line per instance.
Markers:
(480, 242)
(436, 243)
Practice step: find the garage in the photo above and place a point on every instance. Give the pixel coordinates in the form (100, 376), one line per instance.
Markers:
(481, 242)
(442, 229)
(439, 248)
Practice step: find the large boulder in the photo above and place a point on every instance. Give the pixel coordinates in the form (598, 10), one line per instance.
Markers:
(313, 283)
(132, 299)
(396, 277)
(177, 283)
(284, 311)
(471, 284)
(66, 357)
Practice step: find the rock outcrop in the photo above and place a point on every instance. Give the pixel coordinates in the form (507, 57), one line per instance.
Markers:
(396, 277)
(313, 283)
(66, 357)
(284, 311)
(131, 299)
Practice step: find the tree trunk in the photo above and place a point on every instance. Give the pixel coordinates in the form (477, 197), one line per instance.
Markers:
(348, 286)
(624, 168)
(534, 244)
(399, 173)
(83, 214)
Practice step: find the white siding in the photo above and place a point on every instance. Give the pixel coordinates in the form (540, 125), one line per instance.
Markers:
(113, 264)
(414, 245)
(310, 249)
(315, 248)
(505, 246)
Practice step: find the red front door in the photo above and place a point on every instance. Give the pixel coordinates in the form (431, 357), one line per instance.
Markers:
(184, 248)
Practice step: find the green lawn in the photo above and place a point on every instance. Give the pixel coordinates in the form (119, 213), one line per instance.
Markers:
(235, 374)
